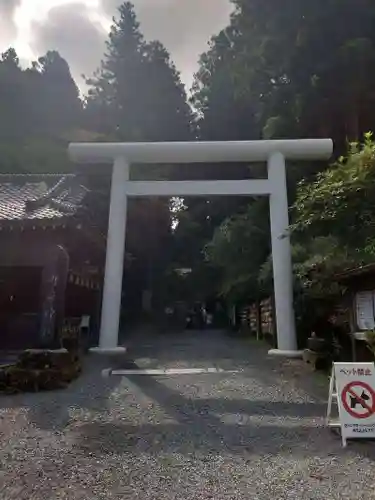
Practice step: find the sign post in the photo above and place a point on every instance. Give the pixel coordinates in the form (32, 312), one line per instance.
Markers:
(352, 385)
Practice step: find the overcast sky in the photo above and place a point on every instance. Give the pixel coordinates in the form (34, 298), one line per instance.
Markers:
(77, 28)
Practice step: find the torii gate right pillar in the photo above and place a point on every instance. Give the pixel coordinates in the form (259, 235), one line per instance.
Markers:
(281, 259)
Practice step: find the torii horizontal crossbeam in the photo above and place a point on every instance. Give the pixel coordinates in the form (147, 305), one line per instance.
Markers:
(246, 187)
(200, 152)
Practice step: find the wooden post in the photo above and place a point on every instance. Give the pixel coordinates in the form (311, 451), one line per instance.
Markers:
(258, 320)
(273, 316)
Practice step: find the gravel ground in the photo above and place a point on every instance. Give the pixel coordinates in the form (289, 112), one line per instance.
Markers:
(253, 435)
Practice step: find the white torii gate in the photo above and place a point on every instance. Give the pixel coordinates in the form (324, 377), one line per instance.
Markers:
(121, 155)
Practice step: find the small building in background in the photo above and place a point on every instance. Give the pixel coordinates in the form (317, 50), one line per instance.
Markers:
(357, 308)
(52, 255)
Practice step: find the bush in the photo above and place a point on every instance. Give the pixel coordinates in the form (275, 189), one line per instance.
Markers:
(38, 370)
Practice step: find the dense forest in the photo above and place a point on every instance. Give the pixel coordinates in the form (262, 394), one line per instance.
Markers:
(280, 69)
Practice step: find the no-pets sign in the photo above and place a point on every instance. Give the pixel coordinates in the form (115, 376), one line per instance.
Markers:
(355, 385)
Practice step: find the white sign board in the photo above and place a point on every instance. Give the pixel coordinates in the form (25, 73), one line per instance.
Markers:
(355, 389)
(365, 310)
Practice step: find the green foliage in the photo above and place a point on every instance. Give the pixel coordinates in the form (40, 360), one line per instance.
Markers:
(333, 223)
(238, 248)
(38, 105)
(303, 69)
(340, 202)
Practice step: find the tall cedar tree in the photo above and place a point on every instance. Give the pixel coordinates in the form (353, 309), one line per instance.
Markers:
(136, 95)
(286, 68)
(38, 106)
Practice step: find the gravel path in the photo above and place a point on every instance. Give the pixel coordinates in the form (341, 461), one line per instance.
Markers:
(253, 435)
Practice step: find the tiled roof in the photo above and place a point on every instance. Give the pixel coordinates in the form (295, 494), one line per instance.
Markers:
(48, 198)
